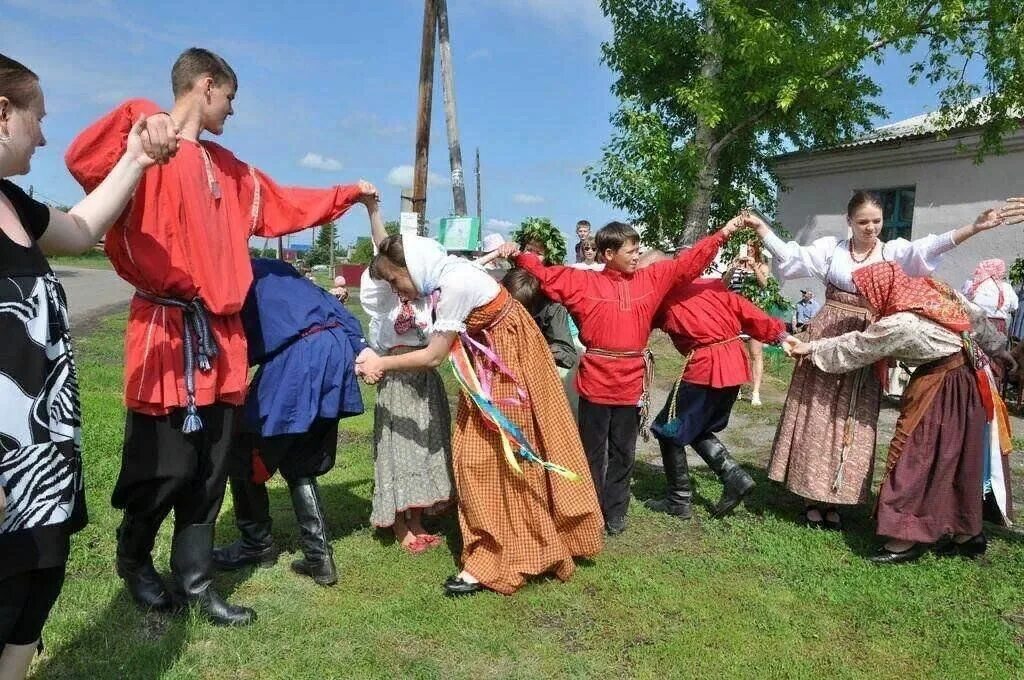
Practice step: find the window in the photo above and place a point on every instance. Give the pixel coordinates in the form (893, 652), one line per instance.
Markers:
(897, 212)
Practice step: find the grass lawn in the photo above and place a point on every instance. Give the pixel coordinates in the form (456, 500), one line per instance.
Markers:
(750, 596)
(94, 259)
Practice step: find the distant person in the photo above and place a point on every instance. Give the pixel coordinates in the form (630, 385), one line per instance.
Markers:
(804, 310)
(989, 289)
(582, 233)
(750, 268)
(589, 250)
(339, 290)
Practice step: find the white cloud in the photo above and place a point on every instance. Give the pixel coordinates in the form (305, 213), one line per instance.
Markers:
(401, 176)
(503, 227)
(315, 161)
(563, 14)
(482, 53)
(528, 199)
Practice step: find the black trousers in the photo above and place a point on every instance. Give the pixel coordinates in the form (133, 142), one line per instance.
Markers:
(609, 439)
(26, 599)
(163, 469)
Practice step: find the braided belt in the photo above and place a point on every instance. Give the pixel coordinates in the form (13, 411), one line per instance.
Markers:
(199, 346)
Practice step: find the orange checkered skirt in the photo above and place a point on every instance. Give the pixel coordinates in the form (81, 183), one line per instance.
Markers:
(519, 525)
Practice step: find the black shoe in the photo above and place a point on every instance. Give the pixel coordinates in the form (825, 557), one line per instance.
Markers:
(456, 587)
(971, 548)
(191, 564)
(252, 516)
(677, 475)
(318, 557)
(682, 511)
(735, 480)
(134, 563)
(614, 526)
(911, 554)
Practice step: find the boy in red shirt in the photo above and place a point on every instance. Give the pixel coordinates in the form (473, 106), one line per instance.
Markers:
(183, 242)
(614, 309)
(704, 321)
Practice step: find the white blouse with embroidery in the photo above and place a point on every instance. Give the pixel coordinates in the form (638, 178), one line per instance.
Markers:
(829, 260)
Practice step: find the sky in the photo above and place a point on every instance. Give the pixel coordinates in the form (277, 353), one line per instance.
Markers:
(328, 92)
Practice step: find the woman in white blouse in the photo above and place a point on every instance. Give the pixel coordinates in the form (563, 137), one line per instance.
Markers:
(989, 289)
(825, 445)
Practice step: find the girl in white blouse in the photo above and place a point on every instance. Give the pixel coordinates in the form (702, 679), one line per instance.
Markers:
(825, 444)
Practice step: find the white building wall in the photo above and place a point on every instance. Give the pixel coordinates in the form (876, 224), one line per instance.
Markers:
(950, 191)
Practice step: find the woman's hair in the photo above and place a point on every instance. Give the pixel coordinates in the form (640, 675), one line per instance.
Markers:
(390, 249)
(18, 83)
(522, 285)
(588, 242)
(756, 252)
(862, 198)
(193, 64)
(614, 235)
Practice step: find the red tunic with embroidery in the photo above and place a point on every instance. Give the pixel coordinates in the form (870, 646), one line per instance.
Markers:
(614, 312)
(185, 235)
(705, 318)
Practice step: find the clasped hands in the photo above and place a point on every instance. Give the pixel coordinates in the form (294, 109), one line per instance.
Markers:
(369, 366)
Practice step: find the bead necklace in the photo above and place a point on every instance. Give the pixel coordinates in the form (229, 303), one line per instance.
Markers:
(849, 245)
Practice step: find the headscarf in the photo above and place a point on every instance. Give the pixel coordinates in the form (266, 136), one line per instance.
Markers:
(426, 260)
(994, 269)
(890, 291)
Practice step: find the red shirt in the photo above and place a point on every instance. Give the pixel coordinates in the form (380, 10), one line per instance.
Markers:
(703, 317)
(186, 234)
(614, 312)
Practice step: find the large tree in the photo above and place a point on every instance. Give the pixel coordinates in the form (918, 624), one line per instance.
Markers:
(709, 94)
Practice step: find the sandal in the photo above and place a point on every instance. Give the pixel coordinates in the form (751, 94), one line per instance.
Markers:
(806, 521)
(417, 547)
(430, 539)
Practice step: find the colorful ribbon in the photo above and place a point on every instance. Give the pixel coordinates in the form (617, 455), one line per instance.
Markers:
(470, 383)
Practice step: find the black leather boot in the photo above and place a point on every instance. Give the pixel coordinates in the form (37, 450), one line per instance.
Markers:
(735, 479)
(677, 473)
(252, 516)
(134, 562)
(318, 557)
(192, 566)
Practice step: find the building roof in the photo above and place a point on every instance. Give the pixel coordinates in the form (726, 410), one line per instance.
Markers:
(915, 127)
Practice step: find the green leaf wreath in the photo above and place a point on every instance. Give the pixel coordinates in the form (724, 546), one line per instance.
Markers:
(542, 229)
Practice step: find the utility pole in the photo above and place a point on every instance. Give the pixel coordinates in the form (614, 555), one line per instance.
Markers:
(479, 202)
(280, 248)
(419, 181)
(448, 83)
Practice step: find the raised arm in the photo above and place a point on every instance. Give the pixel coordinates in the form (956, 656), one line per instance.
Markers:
(377, 231)
(793, 260)
(283, 210)
(565, 285)
(755, 322)
(88, 221)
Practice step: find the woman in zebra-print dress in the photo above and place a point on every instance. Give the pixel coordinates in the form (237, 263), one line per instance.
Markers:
(41, 491)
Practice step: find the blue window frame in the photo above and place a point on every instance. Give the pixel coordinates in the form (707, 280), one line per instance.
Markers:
(897, 212)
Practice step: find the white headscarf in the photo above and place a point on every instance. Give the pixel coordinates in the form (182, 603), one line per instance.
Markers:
(426, 260)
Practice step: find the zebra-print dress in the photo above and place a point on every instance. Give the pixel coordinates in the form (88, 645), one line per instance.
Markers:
(40, 416)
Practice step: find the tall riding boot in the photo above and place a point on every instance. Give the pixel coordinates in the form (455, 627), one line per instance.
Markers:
(318, 557)
(677, 474)
(134, 561)
(252, 516)
(735, 479)
(192, 566)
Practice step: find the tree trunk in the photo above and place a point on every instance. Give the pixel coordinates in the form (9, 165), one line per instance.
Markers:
(699, 213)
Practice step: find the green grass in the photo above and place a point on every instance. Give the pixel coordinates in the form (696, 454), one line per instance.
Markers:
(751, 596)
(94, 259)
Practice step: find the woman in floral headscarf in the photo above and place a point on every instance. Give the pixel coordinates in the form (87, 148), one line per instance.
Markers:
(933, 485)
(989, 289)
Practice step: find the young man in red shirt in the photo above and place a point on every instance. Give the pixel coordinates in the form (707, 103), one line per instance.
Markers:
(183, 243)
(614, 310)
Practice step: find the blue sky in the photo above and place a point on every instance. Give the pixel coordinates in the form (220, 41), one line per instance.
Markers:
(328, 91)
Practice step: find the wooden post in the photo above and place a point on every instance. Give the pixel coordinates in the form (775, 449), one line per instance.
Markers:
(479, 202)
(419, 180)
(280, 248)
(448, 83)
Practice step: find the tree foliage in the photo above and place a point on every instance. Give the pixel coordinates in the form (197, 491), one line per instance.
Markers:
(709, 95)
(362, 251)
(542, 229)
(320, 253)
